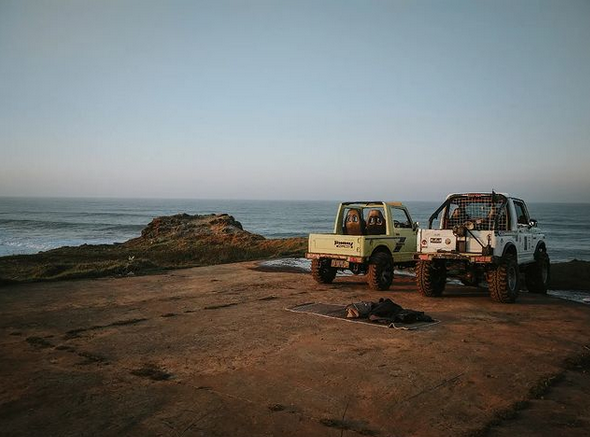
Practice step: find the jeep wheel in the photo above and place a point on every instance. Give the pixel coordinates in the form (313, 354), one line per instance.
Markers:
(322, 272)
(431, 278)
(537, 274)
(380, 274)
(504, 280)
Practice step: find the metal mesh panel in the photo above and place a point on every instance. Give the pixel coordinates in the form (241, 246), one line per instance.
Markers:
(480, 211)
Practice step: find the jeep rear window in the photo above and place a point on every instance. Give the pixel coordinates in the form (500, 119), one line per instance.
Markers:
(366, 220)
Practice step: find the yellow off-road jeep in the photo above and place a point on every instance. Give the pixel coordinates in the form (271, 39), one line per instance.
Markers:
(369, 238)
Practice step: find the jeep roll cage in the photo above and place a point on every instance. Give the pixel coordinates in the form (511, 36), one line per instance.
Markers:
(495, 200)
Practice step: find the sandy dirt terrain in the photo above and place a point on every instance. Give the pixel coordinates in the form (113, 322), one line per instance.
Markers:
(211, 351)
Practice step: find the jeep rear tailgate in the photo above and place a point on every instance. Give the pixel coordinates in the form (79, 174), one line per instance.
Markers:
(331, 244)
(434, 240)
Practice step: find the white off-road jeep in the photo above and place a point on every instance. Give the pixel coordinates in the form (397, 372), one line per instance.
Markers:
(482, 236)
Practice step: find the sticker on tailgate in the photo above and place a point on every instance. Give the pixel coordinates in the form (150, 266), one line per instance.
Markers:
(343, 244)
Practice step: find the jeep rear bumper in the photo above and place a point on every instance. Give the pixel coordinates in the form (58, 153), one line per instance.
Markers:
(476, 258)
(351, 259)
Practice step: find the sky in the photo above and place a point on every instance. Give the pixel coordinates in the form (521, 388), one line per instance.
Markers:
(331, 100)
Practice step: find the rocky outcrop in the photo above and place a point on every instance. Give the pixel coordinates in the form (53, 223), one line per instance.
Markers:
(573, 275)
(186, 227)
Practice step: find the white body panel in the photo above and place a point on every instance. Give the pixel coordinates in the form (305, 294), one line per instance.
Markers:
(444, 240)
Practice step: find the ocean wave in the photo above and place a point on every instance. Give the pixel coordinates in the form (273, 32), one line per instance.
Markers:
(46, 224)
(76, 213)
(112, 214)
(285, 234)
(26, 245)
(31, 246)
(8, 248)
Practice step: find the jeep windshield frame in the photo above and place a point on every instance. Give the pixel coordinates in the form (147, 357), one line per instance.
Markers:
(486, 211)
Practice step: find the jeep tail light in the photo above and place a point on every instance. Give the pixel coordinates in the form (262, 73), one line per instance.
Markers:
(355, 259)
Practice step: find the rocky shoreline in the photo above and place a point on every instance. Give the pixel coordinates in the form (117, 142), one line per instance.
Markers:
(184, 240)
(572, 275)
(168, 242)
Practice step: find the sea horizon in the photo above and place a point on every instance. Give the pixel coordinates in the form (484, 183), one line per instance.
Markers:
(263, 200)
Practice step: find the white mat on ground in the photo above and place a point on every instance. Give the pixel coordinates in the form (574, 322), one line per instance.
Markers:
(337, 311)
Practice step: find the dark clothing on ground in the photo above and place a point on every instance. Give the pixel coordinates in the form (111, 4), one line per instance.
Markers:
(386, 311)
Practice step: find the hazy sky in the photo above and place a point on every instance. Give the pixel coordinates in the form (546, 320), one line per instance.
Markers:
(295, 99)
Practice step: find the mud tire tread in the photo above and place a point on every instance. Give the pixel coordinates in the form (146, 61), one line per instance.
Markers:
(498, 284)
(428, 283)
(322, 273)
(378, 262)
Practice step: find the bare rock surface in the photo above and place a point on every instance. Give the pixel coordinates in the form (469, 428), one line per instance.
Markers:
(572, 275)
(211, 351)
(185, 226)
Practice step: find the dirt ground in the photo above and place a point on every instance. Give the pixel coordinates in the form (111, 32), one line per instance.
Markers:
(211, 351)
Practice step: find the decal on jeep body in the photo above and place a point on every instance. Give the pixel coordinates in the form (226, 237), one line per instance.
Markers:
(400, 243)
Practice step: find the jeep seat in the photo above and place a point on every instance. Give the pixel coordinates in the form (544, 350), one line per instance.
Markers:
(375, 223)
(354, 223)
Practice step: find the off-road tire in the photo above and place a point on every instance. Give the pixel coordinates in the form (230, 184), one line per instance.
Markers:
(504, 280)
(537, 274)
(322, 272)
(380, 273)
(431, 278)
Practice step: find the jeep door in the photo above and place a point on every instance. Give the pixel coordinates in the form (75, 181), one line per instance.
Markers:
(525, 243)
(404, 234)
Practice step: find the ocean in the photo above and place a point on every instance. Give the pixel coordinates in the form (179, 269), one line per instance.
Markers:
(30, 225)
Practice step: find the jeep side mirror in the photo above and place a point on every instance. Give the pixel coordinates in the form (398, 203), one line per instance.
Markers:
(416, 225)
(532, 223)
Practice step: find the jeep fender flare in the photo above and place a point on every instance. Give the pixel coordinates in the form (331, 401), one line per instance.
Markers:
(510, 249)
(541, 247)
(382, 249)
